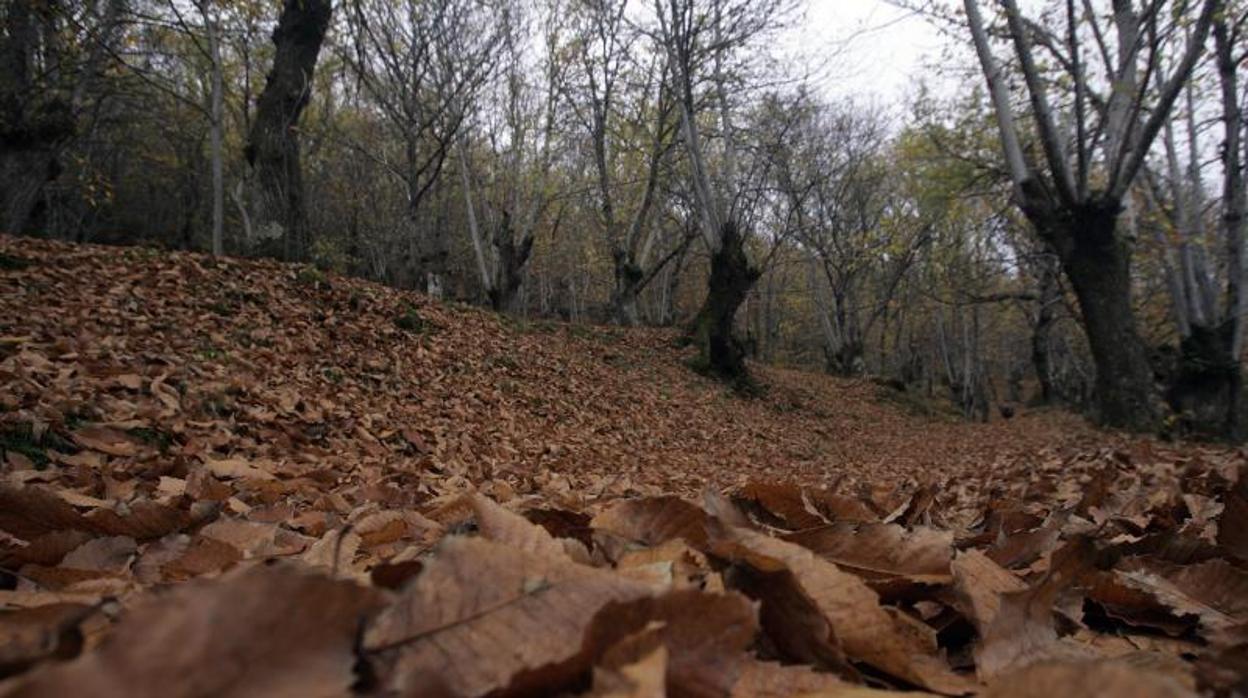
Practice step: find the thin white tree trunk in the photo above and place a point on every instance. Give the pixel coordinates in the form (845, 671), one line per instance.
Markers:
(474, 230)
(216, 115)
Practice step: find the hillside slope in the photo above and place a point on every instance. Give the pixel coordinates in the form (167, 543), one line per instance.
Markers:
(228, 477)
(180, 358)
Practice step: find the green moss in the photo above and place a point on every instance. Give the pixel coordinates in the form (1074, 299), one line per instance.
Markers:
(20, 439)
(9, 262)
(161, 440)
(313, 278)
(410, 320)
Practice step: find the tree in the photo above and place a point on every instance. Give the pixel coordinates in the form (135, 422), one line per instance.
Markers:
(421, 64)
(631, 133)
(701, 39)
(52, 58)
(1206, 386)
(1076, 206)
(273, 143)
(838, 172)
(523, 148)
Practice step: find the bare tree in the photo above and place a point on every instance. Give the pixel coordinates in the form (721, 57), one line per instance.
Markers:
(52, 59)
(421, 64)
(848, 214)
(1206, 388)
(622, 98)
(273, 144)
(702, 38)
(1075, 192)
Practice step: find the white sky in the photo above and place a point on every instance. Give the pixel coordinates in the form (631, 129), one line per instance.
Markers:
(880, 52)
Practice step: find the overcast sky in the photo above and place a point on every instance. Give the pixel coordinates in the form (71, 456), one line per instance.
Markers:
(882, 52)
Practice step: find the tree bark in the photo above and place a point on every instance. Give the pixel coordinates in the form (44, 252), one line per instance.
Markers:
(512, 258)
(273, 144)
(1041, 334)
(216, 112)
(1098, 263)
(34, 121)
(628, 280)
(720, 352)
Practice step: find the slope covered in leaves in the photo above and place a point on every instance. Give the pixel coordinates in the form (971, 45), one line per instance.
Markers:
(354, 490)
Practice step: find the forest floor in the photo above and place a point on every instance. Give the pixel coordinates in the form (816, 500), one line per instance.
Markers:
(165, 416)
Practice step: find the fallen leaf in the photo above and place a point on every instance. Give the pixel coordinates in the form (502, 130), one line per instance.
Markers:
(1090, 679)
(518, 621)
(855, 621)
(255, 629)
(655, 520)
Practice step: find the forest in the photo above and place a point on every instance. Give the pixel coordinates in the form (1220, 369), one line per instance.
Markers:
(629, 348)
(1068, 230)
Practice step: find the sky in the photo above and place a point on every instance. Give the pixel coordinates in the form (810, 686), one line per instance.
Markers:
(881, 52)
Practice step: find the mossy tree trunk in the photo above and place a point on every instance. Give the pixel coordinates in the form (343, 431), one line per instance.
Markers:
(720, 352)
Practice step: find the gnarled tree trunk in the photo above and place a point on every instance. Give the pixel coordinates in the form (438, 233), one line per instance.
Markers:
(1097, 261)
(721, 353)
(513, 255)
(34, 121)
(273, 144)
(628, 285)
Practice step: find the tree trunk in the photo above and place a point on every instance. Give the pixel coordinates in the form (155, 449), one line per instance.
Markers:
(273, 144)
(848, 359)
(720, 352)
(628, 285)
(1098, 265)
(216, 110)
(512, 258)
(1041, 359)
(34, 120)
(1202, 391)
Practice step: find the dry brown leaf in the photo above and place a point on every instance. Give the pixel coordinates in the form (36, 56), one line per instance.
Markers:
(105, 440)
(141, 520)
(881, 551)
(1214, 591)
(31, 635)
(335, 552)
(870, 633)
(643, 678)
(252, 633)
(47, 549)
(513, 530)
(772, 680)
(200, 556)
(1021, 549)
(255, 539)
(705, 635)
(781, 505)
(1089, 679)
(1017, 627)
(516, 621)
(236, 468)
(29, 512)
(112, 555)
(1233, 523)
(655, 520)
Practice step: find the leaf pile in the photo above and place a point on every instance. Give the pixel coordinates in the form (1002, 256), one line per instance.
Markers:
(227, 477)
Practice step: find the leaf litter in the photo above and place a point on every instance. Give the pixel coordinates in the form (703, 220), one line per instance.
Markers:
(217, 480)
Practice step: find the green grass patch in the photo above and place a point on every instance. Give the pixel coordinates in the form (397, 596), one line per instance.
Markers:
(10, 262)
(21, 440)
(161, 440)
(409, 320)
